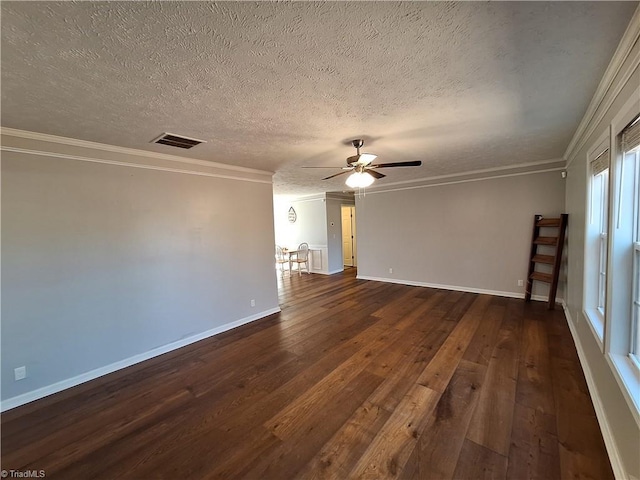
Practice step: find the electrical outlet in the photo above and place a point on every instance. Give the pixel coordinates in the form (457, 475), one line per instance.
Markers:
(521, 283)
(253, 303)
(20, 373)
(391, 270)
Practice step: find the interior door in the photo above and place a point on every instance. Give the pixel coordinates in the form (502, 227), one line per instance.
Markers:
(349, 235)
(354, 248)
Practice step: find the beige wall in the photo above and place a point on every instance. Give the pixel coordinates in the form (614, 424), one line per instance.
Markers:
(105, 264)
(473, 236)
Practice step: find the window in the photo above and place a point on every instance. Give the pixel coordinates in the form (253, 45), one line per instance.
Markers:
(631, 151)
(622, 340)
(612, 248)
(601, 207)
(597, 239)
(635, 331)
(612, 245)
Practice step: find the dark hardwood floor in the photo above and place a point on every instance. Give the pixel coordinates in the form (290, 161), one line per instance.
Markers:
(352, 379)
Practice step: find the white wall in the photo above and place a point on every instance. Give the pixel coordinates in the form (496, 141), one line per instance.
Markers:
(473, 236)
(621, 427)
(105, 264)
(318, 224)
(310, 226)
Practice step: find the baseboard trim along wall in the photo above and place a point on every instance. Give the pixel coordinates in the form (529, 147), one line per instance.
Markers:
(537, 298)
(609, 440)
(331, 272)
(304, 272)
(127, 362)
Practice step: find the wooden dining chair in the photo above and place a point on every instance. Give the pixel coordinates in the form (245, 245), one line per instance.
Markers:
(301, 256)
(280, 259)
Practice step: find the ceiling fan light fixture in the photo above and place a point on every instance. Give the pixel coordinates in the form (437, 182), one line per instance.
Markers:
(359, 180)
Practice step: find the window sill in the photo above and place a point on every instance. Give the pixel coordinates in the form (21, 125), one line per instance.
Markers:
(628, 377)
(596, 323)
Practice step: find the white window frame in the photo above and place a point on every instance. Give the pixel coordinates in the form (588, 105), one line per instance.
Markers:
(618, 312)
(603, 244)
(596, 245)
(634, 347)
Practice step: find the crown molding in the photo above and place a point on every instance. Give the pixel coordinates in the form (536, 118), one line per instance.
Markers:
(341, 196)
(308, 198)
(587, 124)
(43, 137)
(324, 196)
(474, 175)
(465, 180)
(65, 156)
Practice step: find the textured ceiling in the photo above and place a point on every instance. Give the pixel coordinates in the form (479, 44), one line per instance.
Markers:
(275, 86)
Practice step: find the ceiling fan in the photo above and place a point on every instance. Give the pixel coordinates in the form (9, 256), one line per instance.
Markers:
(364, 172)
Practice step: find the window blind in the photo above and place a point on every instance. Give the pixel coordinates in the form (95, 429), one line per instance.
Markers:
(600, 163)
(631, 136)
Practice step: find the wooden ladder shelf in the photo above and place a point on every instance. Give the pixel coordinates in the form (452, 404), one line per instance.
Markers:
(552, 256)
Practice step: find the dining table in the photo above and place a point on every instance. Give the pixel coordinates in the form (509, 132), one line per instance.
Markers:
(287, 253)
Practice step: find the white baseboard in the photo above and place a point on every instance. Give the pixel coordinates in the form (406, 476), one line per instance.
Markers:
(609, 440)
(319, 272)
(537, 298)
(331, 272)
(42, 392)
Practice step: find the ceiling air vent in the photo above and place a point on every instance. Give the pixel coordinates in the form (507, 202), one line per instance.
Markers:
(177, 141)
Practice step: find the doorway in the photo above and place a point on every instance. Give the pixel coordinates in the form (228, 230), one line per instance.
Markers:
(349, 251)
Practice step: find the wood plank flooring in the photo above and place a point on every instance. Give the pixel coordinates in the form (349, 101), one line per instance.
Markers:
(353, 379)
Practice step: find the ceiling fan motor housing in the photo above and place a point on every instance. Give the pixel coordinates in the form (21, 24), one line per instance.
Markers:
(351, 161)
